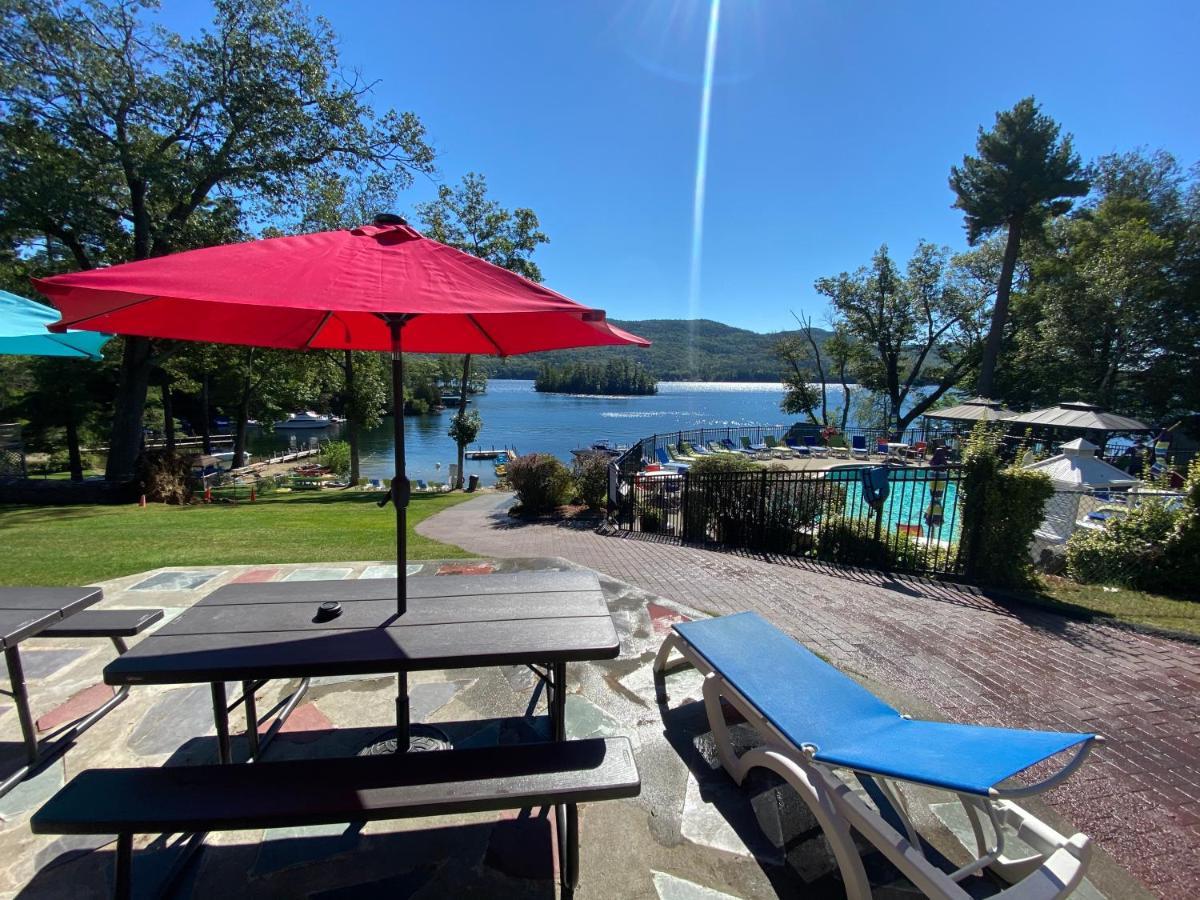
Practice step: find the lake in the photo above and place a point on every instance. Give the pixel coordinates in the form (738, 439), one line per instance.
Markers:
(515, 415)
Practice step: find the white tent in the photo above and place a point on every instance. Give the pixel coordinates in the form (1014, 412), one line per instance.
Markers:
(1077, 466)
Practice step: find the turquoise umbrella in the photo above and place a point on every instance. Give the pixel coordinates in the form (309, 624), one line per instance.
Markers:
(23, 332)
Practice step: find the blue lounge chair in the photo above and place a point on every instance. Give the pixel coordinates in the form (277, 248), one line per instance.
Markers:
(734, 448)
(858, 447)
(666, 462)
(812, 719)
(813, 445)
(798, 449)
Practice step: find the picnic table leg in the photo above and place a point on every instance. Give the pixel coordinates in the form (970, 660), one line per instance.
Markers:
(403, 722)
(221, 718)
(122, 874)
(566, 815)
(251, 718)
(16, 678)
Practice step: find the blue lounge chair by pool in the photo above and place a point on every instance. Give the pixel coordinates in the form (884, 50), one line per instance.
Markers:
(814, 446)
(812, 719)
(666, 462)
(798, 449)
(760, 447)
(858, 447)
(734, 448)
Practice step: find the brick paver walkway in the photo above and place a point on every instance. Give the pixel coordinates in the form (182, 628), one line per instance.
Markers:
(1138, 796)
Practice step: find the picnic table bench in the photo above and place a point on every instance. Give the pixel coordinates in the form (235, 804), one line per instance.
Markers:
(199, 799)
(36, 612)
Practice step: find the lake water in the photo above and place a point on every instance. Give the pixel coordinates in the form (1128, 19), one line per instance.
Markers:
(515, 415)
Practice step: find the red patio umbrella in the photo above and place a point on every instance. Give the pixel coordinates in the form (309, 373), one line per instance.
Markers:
(379, 287)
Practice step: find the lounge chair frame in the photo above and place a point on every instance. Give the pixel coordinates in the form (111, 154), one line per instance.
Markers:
(1055, 869)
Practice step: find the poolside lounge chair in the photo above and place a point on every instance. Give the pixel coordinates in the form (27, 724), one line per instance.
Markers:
(882, 449)
(797, 449)
(858, 447)
(758, 451)
(717, 447)
(814, 447)
(677, 457)
(837, 446)
(692, 451)
(917, 450)
(666, 462)
(776, 448)
(812, 720)
(733, 448)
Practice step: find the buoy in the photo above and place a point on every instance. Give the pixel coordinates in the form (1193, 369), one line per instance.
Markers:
(142, 501)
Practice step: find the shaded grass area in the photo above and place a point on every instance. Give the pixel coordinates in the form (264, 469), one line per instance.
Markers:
(51, 545)
(1125, 605)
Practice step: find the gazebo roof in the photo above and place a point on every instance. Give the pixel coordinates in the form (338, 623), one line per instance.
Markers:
(1079, 417)
(977, 409)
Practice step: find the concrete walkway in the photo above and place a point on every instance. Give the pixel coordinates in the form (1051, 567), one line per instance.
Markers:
(967, 656)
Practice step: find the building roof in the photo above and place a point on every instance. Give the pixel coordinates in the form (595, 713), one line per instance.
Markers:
(1079, 417)
(977, 409)
(1078, 466)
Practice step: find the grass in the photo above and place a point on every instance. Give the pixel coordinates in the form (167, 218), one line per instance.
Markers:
(52, 545)
(1123, 604)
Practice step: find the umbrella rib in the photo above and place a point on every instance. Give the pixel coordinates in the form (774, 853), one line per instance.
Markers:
(108, 312)
(486, 336)
(321, 324)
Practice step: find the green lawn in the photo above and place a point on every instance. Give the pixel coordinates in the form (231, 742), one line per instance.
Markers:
(48, 545)
(1136, 607)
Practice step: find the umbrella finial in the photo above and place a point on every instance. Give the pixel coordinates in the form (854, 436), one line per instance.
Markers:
(389, 219)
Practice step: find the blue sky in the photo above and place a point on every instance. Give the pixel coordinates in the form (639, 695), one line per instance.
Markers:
(833, 124)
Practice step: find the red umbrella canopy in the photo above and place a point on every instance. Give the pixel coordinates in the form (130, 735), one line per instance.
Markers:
(330, 291)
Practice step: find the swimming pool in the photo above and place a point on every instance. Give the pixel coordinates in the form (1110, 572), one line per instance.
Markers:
(913, 501)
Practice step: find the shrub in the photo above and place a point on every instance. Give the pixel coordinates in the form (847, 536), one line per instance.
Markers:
(164, 477)
(337, 457)
(851, 543)
(541, 482)
(1001, 510)
(1153, 547)
(590, 472)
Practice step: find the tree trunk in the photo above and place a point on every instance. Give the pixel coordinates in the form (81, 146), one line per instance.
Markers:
(991, 347)
(206, 428)
(126, 439)
(462, 412)
(239, 441)
(168, 416)
(73, 455)
(351, 416)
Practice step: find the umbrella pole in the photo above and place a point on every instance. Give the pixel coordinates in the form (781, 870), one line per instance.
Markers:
(400, 481)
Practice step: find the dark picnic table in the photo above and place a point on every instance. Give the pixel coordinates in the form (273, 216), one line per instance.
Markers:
(26, 612)
(252, 633)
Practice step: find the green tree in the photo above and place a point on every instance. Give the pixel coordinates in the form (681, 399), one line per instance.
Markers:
(120, 140)
(465, 217)
(808, 364)
(1023, 175)
(905, 331)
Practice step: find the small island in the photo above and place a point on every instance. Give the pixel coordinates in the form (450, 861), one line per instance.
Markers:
(616, 377)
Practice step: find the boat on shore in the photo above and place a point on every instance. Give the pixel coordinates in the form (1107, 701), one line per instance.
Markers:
(600, 448)
(307, 419)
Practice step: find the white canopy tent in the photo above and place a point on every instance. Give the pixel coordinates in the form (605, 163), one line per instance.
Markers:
(1077, 466)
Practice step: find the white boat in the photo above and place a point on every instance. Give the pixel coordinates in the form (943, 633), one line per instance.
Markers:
(308, 419)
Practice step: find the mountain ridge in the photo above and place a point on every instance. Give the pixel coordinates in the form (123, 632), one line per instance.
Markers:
(718, 352)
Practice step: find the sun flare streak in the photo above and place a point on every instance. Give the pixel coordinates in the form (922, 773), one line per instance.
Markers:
(710, 61)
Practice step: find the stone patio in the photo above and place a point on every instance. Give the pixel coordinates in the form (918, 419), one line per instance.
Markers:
(691, 834)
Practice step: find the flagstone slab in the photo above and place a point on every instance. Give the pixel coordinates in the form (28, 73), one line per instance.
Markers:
(175, 581)
(257, 576)
(466, 569)
(306, 724)
(283, 848)
(31, 793)
(318, 574)
(70, 847)
(669, 887)
(86, 701)
(426, 699)
(585, 719)
(44, 663)
(175, 718)
(663, 618)
(389, 571)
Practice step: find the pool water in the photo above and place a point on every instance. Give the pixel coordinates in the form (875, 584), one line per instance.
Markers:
(911, 492)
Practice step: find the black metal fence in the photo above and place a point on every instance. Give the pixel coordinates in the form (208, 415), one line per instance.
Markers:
(822, 515)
